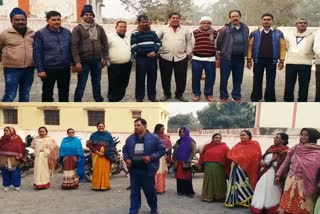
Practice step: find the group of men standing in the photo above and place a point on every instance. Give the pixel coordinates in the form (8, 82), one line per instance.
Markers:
(53, 49)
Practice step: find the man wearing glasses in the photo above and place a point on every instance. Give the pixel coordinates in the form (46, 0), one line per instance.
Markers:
(299, 61)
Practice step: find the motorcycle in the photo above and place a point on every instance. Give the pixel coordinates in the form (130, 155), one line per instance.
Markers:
(29, 155)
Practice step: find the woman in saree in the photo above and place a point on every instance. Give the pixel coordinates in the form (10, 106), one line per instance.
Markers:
(216, 168)
(317, 207)
(72, 160)
(100, 143)
(245, 157)
(161, 175)
(300, 187)
(267, 194)
(184, 151)
(12, 155)
(46, 152)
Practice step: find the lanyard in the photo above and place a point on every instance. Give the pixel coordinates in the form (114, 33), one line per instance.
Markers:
(299, 39)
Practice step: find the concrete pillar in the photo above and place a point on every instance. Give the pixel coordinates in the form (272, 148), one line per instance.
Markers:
(98, 9)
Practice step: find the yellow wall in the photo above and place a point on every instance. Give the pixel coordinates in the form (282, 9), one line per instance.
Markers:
(118, 116)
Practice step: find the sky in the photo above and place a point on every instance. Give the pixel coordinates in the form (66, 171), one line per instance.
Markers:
(114, 8)
(177, 108)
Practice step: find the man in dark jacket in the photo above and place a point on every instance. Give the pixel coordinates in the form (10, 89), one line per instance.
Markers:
(141, 153)
(232, 42)
(52, 57)
(90, 53)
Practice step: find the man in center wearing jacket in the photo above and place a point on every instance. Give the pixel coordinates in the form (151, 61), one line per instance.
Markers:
(141, 153)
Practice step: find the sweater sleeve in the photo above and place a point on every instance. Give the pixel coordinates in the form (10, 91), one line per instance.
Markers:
(75, 39)
(250, 46)
(282, 48)
(316, 45)
(220, 38)
(157, 43)
(188, 40)
(38, 52)
(104, 41)
(2, 42)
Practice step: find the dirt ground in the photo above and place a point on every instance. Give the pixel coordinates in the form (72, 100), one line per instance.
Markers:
(36, 89)
(114, 201)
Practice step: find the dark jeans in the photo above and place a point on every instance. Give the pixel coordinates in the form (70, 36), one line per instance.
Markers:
(317, 99)
(62, 77)
(140, 179)
(258, 71)
(303, 72)
(210, 70)
(11, 177)
(146, 66)
(180, 75)
(118, 78)
(94, 68)
(14, 78)
(236, 65)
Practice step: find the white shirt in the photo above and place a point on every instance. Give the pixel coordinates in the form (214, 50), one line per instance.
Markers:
(119, 48)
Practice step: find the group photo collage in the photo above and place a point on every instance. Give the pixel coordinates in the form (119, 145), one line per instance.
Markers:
(160, 106)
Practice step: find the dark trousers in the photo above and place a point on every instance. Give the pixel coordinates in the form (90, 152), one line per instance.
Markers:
(146, 66)
(11, 177)
(62, 77)
(184, 187)
(236, 66)
(118, 76)
(140, 179)
(303, 72)
(94, 68)
(15, 78)
(317, 99)
(180, 76)
(258, 71)
(210, 71)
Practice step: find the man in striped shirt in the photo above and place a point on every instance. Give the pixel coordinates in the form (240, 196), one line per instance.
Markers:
(145, 45)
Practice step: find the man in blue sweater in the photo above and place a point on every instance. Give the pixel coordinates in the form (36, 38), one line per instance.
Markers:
(141, 153)
(52, 57)
(145, 45)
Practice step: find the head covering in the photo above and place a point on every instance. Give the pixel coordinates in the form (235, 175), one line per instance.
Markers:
(87, 9)
(185, 147)
(205, 18)
(12, 145)
(17, 11)
(314, 134)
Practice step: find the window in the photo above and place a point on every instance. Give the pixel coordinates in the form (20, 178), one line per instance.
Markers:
(10, 116)
(136, 114)
(51, 117)
(1, 2)
(94, 117)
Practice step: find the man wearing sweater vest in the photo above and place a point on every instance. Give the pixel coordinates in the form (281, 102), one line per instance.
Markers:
(145, 45)
(299, 61)
(176, 47)
(120, 59)
(316, 49)
(204, 52)
(232, 42)
(267, 47)
(52, 57)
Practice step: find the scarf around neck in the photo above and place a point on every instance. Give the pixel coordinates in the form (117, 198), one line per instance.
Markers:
(91, 28)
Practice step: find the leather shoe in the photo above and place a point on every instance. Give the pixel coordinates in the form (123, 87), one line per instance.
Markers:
(209, 98)
(153, 100)
(182, 99)
(196, 98)
(165, 98)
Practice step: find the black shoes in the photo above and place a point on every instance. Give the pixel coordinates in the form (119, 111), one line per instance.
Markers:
(182, 99)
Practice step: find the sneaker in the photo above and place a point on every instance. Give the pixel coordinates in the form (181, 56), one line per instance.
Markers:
(224, 100)
(165, 98)
(17, 188)
(196, 98)
(182, 99)
(209, 98)
(6, 189)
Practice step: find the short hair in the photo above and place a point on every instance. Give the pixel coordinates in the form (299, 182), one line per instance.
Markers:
(101, 122)
(174, 14)
(69, 129)
(231, 11)
(157, 128)
(43, 127)
(143, 16)
(302, 19)
(120, 21)
(267, 14)
(143, 121)
(248, 133)
(52, 13)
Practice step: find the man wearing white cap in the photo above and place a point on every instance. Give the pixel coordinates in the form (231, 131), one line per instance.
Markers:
(204, 52)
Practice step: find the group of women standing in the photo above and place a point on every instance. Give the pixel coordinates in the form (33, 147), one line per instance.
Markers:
(49, 157)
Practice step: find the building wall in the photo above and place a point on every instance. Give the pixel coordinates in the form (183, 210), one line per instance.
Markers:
(7, 7)
(118, 117)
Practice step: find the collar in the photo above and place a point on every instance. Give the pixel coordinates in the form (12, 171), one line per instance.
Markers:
(234, 27)
(54, 31)
(262, 29)
(12, 30)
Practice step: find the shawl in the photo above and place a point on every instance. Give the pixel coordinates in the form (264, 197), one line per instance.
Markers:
(216, 152)
(103, 138)
(12, 145)
(91, 28)
(71, 146)
(184, 146)
(212, 33)
(247, 154)
(167, 142)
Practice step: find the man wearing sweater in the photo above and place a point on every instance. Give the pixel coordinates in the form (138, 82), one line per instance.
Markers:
(267, 47)
(299, 61)
(120, 59)
(204, 52)
(145, 45)
(176, 47)
(52, 57)
(316, 49)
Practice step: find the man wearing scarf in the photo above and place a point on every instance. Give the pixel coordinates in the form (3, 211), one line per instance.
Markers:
(16, 56)
(12, 154)
(204, 52)
(89, 46)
